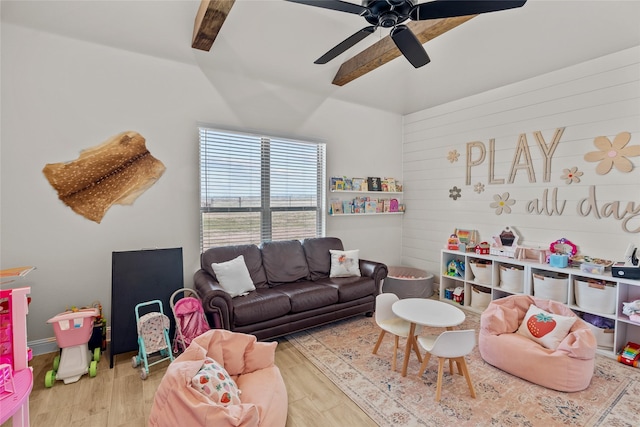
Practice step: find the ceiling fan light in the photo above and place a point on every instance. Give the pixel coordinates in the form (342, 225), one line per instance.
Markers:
(388, 19)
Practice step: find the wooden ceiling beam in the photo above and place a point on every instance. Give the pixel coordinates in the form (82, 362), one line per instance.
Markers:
(209, 19)
(385, 50)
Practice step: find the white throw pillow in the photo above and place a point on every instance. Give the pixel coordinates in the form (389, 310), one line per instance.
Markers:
(344, 263)
(547, 329)
(234, 276)
(213, 381)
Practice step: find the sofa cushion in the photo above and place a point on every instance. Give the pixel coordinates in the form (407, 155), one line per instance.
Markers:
(308, 295)
(345, 263)
(350, 288)
(316, 251)
(234, 276)
(284, 262)
(260, 305)
(252, 258)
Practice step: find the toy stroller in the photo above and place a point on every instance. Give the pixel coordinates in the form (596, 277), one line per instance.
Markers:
(190, 319)
(153, 337)
(73, 330)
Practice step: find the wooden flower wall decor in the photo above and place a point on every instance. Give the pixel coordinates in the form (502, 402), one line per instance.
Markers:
(613, 154)
(114, 172)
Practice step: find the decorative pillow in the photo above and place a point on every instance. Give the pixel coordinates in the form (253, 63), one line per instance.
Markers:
(547, 329)
(213, 381)
(344, 263)
(234, 276)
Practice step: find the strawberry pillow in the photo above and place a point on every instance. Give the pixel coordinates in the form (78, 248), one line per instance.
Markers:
(213, 381)
(547, 329)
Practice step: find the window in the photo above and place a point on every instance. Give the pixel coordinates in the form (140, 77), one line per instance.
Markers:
(256, 188)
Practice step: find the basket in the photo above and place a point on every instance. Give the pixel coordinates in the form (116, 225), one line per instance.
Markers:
(512, 278)
(408, 282)
(598, 296)
(481, 273)
(604, 337)
(553, 287)
(480, 298)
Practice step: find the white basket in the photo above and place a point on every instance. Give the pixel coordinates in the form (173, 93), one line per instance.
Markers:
(596, 296)
(553, 288)
(604, 337)
(512, 278)
(480, 300)
(481, 273)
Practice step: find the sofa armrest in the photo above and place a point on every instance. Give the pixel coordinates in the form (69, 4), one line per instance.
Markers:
(214, 298)
(376, 270)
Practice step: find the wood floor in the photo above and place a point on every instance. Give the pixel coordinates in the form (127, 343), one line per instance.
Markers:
(118, 397)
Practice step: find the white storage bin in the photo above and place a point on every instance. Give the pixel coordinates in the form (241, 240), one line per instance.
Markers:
(551, 286)
(604, 337)
(479, 299)
(596, 296)
(481, 272)
(512, 278)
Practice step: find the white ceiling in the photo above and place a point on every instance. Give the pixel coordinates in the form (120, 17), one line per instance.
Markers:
(275, 42)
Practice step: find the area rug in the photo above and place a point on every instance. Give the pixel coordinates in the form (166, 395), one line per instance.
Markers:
(342, 351)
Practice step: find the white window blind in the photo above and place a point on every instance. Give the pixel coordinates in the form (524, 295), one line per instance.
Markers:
(256, 188)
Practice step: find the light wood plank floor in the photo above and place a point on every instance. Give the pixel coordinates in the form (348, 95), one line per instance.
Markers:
(118, 397)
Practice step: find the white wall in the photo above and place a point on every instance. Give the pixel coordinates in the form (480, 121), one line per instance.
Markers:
(598, 97)
(60, 96)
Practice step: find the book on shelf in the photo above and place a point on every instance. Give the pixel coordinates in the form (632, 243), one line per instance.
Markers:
(393, 205)
(371, 206)
(336, 207)
(347, 206)
(359, 184)
(384, 205)
(347, 184)
(374, 184)
(336, 182)
(389, 184)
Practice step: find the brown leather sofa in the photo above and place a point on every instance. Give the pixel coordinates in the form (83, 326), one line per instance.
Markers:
(293, 288)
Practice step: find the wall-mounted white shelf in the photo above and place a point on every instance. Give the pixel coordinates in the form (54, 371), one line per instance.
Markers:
(367, 192)
(369, 214)
(626, 290)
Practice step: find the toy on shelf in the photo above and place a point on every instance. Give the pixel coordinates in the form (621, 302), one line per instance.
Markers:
(630, 354)
(483, 248)
(561, 250)
(453, 243)
(73, 330)
(455, 268)
(505, 244)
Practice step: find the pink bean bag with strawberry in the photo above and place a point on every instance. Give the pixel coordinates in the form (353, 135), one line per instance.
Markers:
(503, 344)
(222, 379)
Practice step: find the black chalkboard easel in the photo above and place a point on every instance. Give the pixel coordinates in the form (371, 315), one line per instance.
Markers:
(140, 276)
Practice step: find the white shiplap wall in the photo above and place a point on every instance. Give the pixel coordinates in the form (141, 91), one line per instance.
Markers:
(600, 97)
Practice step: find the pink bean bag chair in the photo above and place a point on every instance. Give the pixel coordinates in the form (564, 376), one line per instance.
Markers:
(568, 368)
(263, 398)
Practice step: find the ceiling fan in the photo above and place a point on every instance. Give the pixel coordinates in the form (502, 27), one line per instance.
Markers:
(392, 14)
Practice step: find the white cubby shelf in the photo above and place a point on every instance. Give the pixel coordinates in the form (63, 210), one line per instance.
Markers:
(626, 290)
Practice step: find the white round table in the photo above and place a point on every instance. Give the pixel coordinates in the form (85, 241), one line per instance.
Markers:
(426, 312)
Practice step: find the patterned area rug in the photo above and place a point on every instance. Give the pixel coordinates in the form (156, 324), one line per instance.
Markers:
(342, 351)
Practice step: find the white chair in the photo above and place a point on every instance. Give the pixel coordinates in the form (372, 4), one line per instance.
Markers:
(389, 322)
(452, 345)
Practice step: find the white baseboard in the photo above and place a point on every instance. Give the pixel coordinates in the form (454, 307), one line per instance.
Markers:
(49, 345)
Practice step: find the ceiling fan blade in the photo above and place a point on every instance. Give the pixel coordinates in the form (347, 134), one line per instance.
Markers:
(341, 6)
(409, 45)
(450, 8)
(346, 44)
